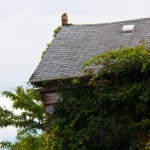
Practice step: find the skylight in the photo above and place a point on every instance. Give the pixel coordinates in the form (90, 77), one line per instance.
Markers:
(128, 28)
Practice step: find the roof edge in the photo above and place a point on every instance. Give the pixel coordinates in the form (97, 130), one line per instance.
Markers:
(112, 22)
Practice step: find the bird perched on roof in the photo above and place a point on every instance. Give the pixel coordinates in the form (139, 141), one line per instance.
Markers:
(64, 19)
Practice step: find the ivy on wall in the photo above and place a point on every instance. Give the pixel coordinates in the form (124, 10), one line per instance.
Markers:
(113, 111)
(110, 112)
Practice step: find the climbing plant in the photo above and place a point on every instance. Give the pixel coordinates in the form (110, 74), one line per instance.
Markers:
(106, 109)
(112, 111)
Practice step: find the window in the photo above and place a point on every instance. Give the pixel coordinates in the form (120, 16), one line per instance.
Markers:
(128, 28)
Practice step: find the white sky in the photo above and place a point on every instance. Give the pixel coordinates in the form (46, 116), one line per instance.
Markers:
(26, 26)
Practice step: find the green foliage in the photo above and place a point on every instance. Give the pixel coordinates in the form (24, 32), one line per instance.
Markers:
(148, 145)
(57, 30)
(113, 111)
(32, 112)
(44, 141)
(27, 143)
(5, 144)
(31, 118)
(47, 46)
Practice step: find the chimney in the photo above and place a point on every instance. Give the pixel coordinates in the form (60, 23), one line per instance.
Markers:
(64, 19)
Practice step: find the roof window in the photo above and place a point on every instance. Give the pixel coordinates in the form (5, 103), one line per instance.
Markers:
(128, 28)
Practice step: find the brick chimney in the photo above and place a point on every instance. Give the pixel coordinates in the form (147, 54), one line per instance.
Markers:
(64, 19)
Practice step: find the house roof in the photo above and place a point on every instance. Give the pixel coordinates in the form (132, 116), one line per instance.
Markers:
(75, 44)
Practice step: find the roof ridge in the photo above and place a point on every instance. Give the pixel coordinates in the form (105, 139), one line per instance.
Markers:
(112, 22)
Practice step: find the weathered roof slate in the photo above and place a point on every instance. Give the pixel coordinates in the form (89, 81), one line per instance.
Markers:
(75, 44)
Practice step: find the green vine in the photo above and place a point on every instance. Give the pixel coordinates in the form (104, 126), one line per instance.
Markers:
(112, 112)
(47, 46)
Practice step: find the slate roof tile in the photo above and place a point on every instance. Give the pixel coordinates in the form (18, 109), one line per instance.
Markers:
(75, 44)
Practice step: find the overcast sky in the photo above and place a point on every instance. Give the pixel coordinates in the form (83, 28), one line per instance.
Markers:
(26, 26)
